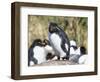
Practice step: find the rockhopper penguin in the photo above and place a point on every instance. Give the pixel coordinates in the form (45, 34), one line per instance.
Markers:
(59, 41)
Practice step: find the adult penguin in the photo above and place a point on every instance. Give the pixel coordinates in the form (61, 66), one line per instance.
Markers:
(59, 41)
(36, 53)
(49, 50)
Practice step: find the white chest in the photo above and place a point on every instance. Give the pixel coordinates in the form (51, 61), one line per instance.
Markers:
(82, 59)
(72, 51)
(56, 43)
(40, 54)
(78, 52)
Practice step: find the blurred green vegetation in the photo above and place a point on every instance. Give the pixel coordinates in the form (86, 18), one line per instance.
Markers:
(75, 27)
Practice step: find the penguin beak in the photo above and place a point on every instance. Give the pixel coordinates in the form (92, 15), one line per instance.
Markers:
(43, 44)
(50, 28)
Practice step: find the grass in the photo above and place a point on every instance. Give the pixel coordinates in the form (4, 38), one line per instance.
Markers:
(75, 27)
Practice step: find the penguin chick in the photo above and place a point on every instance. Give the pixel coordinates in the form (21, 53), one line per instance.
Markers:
(82, 59)
(73, 47)
(78, 57)
(73, 43)
(81, 50)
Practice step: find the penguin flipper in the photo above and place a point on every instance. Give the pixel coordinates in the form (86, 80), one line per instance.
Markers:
(30, 54)
(64, 35)
(30, 57)
(65, 45)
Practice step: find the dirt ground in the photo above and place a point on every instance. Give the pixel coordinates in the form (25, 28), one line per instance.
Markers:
(56, 62)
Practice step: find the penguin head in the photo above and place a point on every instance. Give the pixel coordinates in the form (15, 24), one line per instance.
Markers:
(46, 42)
(37, 42)
(53, 27)
(48, 47)
(73, 44)
(83, 50)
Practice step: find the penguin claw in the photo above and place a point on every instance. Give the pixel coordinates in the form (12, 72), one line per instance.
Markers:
(58, 57)
(65, 58)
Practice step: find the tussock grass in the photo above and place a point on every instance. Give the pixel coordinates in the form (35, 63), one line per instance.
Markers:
(75, 27)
